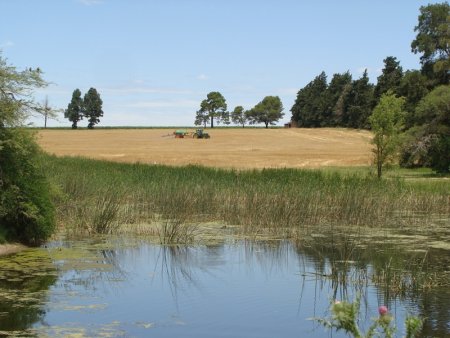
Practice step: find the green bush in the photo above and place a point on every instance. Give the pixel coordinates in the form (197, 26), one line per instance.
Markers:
(26, 210)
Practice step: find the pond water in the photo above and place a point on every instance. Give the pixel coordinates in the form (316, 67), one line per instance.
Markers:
(235, 288)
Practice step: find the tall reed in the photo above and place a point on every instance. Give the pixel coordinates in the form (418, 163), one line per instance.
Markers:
(99, 194)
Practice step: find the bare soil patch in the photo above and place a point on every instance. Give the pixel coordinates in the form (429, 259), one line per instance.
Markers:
(227, 148)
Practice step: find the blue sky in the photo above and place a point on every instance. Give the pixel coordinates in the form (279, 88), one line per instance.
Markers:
(154, 61)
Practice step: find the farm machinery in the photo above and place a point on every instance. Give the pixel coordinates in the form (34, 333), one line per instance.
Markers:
(199, 133)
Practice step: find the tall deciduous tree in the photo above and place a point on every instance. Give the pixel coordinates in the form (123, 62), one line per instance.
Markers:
(214, 107)
(26, 212)
(433, 40)
(268, 111)
(92, 104)
(433, 114)
(74, 111)
(386, 122)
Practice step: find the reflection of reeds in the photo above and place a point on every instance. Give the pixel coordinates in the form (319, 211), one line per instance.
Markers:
(176, 231)
(98, 195)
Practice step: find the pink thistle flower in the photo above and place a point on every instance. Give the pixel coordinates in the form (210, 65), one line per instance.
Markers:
(382, 310)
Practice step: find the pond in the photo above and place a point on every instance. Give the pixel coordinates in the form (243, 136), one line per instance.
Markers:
(126, 286)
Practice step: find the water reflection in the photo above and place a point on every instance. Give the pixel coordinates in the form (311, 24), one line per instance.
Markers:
(234, 288)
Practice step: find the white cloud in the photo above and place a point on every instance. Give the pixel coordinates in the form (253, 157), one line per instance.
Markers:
(202, 77)
(287, 91)
(125, 90)
(164, 104)
(6, 44)
(370, 70)
(90, 2)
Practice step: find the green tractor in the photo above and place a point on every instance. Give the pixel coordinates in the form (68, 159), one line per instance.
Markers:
(199, 133)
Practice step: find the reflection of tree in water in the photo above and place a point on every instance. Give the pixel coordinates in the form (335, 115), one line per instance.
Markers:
(25, 279)
(417, 278)
(178, 264)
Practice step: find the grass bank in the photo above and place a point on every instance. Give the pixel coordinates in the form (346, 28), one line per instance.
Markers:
(97, 196)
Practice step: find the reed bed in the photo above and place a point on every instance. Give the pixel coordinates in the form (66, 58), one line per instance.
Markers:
(98, 196)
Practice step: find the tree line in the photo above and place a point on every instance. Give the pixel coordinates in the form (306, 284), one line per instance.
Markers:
(423, 121)
(214, 108)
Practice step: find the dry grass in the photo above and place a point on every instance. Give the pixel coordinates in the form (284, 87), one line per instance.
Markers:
(227, 148)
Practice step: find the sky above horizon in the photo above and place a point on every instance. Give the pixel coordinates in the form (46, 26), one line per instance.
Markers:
(154, 61)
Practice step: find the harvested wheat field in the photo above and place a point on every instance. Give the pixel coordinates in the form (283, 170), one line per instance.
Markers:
(227, 148)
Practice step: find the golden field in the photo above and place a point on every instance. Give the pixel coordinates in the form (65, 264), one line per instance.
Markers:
(243, 148)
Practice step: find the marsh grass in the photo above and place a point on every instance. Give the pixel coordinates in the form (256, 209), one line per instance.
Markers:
(98, 196)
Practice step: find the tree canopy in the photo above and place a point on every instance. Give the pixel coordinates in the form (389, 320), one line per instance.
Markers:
(311, 103)
(92, 104)
(342, 103)
(433, 118)
(268, 111)
(389, 79)
(90, 107)
(213, 107)
(239, 116)
(74, 111)
(433, 38)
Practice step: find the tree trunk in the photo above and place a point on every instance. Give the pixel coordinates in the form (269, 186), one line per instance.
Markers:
(267, 125)
(212, 122)
(379, 163)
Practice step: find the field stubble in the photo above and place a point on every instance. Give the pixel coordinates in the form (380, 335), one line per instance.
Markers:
(228, 148)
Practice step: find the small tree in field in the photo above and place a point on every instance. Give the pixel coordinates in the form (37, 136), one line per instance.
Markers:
(239, 116)
(386, 122)
(92, 107)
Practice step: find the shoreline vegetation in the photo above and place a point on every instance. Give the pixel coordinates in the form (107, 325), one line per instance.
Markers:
(97, 196)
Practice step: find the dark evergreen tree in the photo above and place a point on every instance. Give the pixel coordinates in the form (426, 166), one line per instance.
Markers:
(310, 104)
(74, 111)
(390, 78)
(413, 87)
(358, 103)
(92, 104)
(336, 91)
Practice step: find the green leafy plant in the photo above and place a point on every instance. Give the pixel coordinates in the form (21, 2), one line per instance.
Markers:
(345, 316)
